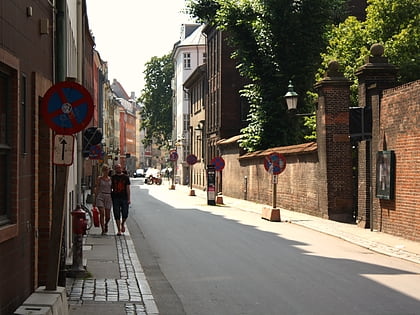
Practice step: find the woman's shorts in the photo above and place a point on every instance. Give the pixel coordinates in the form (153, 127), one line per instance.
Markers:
(104, 201)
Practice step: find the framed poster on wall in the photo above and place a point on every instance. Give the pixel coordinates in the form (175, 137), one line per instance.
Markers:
(385, 175)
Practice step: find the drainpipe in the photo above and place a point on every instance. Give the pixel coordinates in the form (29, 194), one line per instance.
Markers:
(54, 28)
(80, 80)
(60, 41)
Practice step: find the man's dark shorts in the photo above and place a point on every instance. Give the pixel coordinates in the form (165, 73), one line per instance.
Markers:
(120, 208)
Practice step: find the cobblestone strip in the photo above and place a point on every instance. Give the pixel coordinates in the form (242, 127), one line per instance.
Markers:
(131, 270)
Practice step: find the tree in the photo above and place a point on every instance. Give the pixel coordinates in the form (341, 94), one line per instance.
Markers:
(274, 41)
(395, 24)
(156, 98)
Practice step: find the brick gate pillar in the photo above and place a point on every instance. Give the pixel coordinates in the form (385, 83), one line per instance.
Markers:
(334, 147)
(374, 76)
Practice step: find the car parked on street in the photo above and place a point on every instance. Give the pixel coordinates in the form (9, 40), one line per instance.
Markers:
(139, 173)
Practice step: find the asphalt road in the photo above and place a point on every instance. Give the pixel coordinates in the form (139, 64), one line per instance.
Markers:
(203, 260)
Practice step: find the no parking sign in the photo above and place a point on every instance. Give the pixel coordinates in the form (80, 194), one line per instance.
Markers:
(67, 107)
(275, 163)
(218, 162)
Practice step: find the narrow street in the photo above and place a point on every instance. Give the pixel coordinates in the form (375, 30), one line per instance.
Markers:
(203, 259)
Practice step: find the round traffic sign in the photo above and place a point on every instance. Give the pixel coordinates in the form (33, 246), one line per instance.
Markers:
(218, 163)
(191, 159)
(275, 163)
(173, 156)
(96, 152)
(67, 107)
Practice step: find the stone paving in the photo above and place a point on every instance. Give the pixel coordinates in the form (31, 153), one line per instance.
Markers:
(132, 288)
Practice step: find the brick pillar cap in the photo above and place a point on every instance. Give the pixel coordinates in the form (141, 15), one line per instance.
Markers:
(333, 76)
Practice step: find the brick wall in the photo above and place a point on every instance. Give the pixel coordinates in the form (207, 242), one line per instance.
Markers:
(400, 132)
(26, 53)
(297, 187)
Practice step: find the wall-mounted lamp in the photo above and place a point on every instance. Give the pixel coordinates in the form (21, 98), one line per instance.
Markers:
(200, 126)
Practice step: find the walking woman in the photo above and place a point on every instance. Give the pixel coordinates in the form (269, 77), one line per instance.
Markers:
(103, 198)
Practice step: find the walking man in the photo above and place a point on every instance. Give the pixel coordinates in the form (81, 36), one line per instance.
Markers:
(120, 184)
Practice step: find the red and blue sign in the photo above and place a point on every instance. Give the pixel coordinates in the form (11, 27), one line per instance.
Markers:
(96, 152)
(173, 156)
(275, 163)
(191, 159)
(67, 107)
(218, 163)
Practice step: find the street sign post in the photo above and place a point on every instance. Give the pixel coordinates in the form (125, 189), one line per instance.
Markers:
(67, 108)
(173, 157)
(275, 163)
(191, 160)
(219, 165)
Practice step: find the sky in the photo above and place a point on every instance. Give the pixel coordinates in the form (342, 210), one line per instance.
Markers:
(128, 33)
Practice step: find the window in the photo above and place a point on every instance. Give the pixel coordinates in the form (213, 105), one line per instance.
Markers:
(187, 61)
(186, 123)
(204, 57)
(5, 149)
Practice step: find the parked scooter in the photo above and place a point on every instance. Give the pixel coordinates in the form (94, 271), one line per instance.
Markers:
(153, 180)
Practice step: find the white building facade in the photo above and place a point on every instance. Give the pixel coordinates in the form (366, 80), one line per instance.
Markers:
(188, 53)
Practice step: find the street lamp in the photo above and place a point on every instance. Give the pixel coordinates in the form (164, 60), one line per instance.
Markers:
(291, 97)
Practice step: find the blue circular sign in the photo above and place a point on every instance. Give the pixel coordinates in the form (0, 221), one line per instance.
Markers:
(218, 163)
(173, 156)
(67, 107)
(275, 163)
(191, 159)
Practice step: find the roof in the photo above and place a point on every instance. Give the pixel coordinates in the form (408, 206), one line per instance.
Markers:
(119, 90)
(291, 149)
(229, 141)
(196, 38)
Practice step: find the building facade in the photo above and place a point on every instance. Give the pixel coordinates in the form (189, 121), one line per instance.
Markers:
(226, 111)
(41, 43)
(188, 54)
(196, 85)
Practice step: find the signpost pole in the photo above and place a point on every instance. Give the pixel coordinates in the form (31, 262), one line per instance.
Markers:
(275, 163)
(57, 227)
(274, 191)
(67, 108)
(192, 191)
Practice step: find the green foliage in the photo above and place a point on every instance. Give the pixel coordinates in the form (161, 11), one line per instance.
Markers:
(310, 123)
(274, 41)
(156, 98)
(395, 24)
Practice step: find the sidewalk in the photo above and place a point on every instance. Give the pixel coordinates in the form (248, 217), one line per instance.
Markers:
(117, 283)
